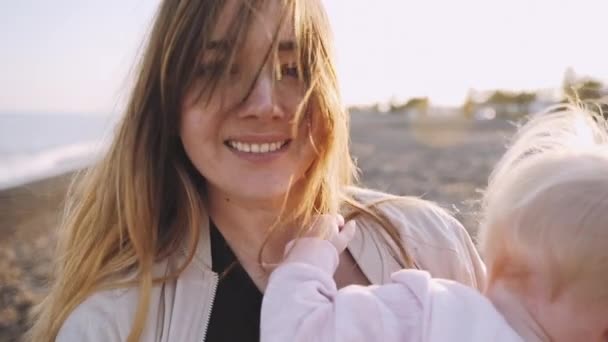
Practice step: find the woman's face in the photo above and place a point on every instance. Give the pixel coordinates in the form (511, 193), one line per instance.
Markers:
(245, 146)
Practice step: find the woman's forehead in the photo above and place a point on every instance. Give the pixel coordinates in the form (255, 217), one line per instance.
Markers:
(266, 16)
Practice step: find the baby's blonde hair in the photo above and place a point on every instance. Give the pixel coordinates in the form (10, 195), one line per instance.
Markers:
(547, 203)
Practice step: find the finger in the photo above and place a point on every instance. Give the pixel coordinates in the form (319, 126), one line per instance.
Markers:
(348, 231)
(341, 240)
(340, 220)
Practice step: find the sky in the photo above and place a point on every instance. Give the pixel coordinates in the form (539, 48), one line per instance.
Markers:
(76, 56)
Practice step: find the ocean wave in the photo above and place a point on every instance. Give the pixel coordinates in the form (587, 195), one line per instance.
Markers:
(18, 169)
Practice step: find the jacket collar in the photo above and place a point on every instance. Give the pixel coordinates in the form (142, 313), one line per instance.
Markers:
(367, 247)
(371, 254)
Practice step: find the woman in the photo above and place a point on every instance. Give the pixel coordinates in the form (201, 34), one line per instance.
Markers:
(233, 141)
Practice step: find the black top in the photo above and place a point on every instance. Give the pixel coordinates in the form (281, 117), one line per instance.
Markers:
(235, 315)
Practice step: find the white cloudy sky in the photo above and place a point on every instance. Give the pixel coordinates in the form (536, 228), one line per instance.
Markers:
(75, 55)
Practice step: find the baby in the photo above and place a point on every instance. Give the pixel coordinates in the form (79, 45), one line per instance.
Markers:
(544, 238)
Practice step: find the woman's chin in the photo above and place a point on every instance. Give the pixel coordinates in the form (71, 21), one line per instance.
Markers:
(263, 190)
(264, 193)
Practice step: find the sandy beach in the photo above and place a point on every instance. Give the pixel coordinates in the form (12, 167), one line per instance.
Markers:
(441, 160)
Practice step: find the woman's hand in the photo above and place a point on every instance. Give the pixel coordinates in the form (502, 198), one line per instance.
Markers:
(333, 229)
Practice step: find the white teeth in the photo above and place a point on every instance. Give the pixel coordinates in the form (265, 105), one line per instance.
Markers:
(256, 148)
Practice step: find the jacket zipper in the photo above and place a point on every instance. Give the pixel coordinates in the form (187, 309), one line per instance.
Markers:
(212, 297)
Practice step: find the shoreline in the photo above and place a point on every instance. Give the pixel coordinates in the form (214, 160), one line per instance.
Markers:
(29, 218)
(27, 201)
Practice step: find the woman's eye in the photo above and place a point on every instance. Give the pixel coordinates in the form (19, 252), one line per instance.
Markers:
(208, 69)
(214, 68)
(290, 70)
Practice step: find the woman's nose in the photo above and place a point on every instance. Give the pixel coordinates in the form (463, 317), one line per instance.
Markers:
(262, 102)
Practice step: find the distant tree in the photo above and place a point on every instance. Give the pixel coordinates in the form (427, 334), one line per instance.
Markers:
(418, 104)
(468, 107)
(590, 90)
(500, 97)
(524, 100)
(511, 104)
(524, 97)
(587, 90)
(583, 89)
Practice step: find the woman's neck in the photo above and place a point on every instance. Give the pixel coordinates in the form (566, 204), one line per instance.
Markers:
(516, 311)
(245, 224)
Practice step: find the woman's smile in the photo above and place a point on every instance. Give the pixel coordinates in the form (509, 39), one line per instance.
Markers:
(258, 148)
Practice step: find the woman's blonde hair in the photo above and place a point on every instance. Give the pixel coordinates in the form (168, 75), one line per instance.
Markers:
(143, 200)
(547, 203)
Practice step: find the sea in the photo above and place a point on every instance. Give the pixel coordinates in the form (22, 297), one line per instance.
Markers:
(35, 146)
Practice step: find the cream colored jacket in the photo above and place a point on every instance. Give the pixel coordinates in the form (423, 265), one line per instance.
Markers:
(180, 309)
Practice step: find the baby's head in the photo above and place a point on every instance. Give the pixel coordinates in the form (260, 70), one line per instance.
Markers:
(544, 233)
